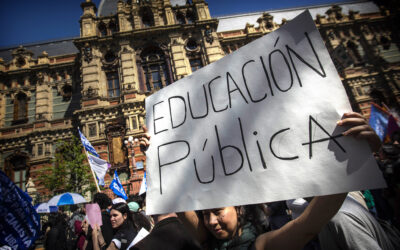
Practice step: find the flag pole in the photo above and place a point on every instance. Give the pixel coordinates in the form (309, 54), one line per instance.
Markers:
(87, 157)
(94, 177)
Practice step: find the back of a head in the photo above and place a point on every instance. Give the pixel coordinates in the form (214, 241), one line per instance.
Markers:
(103, 200)
(140, 220)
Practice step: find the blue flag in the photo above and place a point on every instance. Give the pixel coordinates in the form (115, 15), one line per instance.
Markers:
(86, 144)
(379, 121)
(19, 222)
(117, 187)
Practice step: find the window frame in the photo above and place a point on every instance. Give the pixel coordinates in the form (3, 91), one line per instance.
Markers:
(92, 125)
(113, 76)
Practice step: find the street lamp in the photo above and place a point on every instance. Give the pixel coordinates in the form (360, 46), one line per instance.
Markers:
(131, 143)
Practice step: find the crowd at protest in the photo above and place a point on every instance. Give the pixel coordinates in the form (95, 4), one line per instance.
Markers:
(366, 219)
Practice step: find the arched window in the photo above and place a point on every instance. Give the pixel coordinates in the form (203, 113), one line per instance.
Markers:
(156, 68)
(190, 16)
(180, 18)
(20, 108)
(354, 53)
(102, 29)
(193, 53)
(147, 17)
(113, 27)
(16, 169)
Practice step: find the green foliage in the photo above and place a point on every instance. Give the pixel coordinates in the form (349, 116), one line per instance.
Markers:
(70, 171)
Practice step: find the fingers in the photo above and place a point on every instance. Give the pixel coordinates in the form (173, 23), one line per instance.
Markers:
(144, 141)
(353, 115)
(357, 129)
(360, 129)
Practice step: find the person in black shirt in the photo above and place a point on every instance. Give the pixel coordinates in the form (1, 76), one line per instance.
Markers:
(168, 234)
(106, 229)
(122, 223)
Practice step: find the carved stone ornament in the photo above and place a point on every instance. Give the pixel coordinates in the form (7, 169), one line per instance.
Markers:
(65, 91)
(87, 53)
(40, 78)
(208, 34)
(90, 92)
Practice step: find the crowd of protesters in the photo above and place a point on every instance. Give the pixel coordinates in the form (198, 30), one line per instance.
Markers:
(367, 219)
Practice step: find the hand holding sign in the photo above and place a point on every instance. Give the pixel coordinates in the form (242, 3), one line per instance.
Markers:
(360, 129)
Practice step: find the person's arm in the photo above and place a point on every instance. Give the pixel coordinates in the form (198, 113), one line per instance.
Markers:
(194, 224)
(295, 234)
(98, 239)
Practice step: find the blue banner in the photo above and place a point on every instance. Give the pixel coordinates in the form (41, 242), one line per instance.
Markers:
(117, 187)
(379, 121)
(86, 144)
(19, 222)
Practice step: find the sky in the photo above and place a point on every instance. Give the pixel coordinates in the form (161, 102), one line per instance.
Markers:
(30, 21)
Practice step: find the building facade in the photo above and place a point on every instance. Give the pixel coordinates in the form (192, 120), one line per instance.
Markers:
(127, 50)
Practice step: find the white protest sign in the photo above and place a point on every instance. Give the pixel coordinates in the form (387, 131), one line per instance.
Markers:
(259, 125)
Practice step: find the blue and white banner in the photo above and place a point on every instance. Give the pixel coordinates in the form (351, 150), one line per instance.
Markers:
(378, 120)
(117, 187)
(86, 144)
(99, 166)
(19, 222)
(143, 186)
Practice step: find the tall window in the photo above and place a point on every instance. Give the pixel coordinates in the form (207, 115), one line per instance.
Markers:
(147, 17)
(21, 107)
(40, 150)
(113, 84)
(155, 69)
(180, 18)
(102, 29)
(16, 169)
(113, 27)
(134, 122)
(92, 130)
(20, 178)
(190, 17)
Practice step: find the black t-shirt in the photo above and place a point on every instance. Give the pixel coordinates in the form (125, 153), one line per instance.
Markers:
(124, 236)
(168, 234)
(56, 238)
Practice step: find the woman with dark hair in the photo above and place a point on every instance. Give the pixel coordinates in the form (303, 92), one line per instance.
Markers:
(124, 230)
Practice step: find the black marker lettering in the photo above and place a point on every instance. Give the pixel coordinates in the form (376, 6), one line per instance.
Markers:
(247, 87)
(272, 151)
(190, 106)
(280, 69)
(330, 137)
(244, 144)
(266, 75)
(228, 75)
(170, 110)
(170, 162)
(158, 118)
(211, 98)
(222, 156)
(197, 173)
(290, 51)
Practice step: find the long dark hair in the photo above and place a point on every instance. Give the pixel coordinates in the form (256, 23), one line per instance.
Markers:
(139, 221)
(123, 209)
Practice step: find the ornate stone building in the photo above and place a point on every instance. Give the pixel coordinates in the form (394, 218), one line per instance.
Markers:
(129, 49)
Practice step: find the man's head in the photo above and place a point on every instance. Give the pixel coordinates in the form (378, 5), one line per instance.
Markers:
(103, 200)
